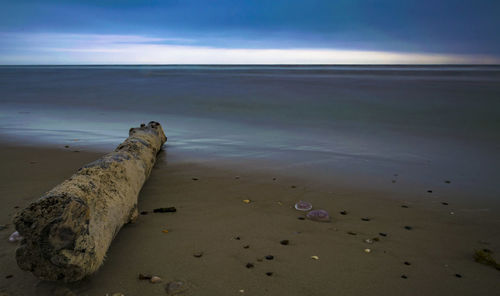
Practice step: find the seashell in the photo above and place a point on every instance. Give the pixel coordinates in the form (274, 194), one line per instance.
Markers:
(368, 250)
(247, 201)
(315, 257)
(15, 237)
(319, 216)
(303, 206)
(155, 279)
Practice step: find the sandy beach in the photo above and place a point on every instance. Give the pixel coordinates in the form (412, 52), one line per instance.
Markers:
(418, 245)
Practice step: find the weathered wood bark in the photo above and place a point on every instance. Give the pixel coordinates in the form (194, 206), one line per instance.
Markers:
(68, 230)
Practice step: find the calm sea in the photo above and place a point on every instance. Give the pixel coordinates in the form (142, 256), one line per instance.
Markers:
(423, 123)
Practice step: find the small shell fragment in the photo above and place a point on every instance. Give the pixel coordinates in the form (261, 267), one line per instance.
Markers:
(315, 257)
(247, 201)
(368, 241)
(155, 279)
(368, 250)
(15, 237)
(164, 231)
(303, 206)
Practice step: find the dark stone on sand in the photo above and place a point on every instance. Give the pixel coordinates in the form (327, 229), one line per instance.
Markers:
(274, 179)
(444, 203)
(145, 276)
(351, 233)
(429, 191)
(198, 254)
(9, 276)
(269, 273)
(249, 265)
(301, 218)
(407, 263)
(458, 275)
(66, 146)
(343, 212)
(269, 257)
(447, 181)
(382, 234)
(237, 238)
(293, 186)
(404, 276)
(194, 179)
(165, 210)
(237, 177)
(365, 219)
(408, 227)
(144, 212)
(375, 239)
(246, 246)
(284, 242)
(404, 206)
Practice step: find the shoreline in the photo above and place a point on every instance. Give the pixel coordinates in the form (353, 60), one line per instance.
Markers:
(211, 215)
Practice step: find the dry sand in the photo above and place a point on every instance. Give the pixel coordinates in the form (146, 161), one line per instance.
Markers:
(212, 218)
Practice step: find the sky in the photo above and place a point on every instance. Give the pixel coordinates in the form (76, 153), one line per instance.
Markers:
(249, 32)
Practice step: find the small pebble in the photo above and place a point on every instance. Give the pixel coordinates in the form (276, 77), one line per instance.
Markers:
(351, 233)
(293, 186)
(404, 206)
(246, 246)
(198, 254)
(444, 203)
(447, 181)
(382, 234)
(343, 212)
(315, 257)
(429, 191)
(269, 257)
(237, 238)
(249, 265)
(194, 179)
(237, 177)
(274, 179)
(164, 231)
(66, 146)
(247, 201)
(143, 276)
(407, 263)
(365, 219)
(404, 276)
(269, 273)
(9, 276)
(301, 218)
(144, 212)
(284, 242)
(368, 241)
(376, 239)
(118, 294)
(458, 275)
(155, 280)
(368, 250)
(408, 227)
(242, 291)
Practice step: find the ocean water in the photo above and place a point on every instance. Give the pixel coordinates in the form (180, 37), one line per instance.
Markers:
(422, 124)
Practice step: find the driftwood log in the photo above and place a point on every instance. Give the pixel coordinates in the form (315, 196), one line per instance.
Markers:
(68, 230)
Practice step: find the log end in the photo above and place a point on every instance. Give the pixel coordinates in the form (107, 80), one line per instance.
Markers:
(56, 244)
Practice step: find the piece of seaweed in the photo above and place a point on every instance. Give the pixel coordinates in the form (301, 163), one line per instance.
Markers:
(485, 256)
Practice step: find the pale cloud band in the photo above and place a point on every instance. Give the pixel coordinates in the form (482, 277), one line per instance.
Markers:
(50, 48)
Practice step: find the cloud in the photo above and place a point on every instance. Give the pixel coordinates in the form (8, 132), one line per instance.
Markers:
(49, 48)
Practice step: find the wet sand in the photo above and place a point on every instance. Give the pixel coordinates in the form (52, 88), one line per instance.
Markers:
(212, 218)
